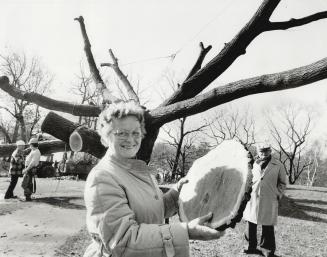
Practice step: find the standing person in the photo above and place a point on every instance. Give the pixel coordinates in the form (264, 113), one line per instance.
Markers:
(31, 162)
(269, 182)
(16, 167)
(125, 207)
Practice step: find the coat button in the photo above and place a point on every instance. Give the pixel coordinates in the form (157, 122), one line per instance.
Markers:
(156, 197)
(261, 178)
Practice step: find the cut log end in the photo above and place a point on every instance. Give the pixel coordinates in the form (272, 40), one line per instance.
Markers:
(75, 142)
(220, 183)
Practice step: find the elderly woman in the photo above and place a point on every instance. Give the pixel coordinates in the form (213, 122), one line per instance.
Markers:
(125, 207)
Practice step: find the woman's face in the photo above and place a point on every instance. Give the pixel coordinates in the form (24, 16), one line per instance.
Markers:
(125, 137)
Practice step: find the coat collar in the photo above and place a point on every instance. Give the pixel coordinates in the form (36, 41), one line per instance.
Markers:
(127, 164)
(270, 166)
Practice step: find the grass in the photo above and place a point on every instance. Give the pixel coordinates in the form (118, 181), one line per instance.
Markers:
(301, 230)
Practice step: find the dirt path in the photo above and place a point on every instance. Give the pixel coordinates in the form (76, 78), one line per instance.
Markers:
(40, 227)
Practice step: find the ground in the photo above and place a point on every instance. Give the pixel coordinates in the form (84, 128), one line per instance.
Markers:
(49, 225)
(54, 224)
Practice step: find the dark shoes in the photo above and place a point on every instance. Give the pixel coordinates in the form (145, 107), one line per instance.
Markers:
(11, 197)
(28, 199)
(259, 252)
(252, 251)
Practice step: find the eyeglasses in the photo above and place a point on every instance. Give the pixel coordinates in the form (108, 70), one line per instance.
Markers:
(122, 134)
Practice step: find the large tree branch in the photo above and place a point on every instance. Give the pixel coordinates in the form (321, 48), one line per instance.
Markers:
(266, 83)
(121, 76)
(107, 97)
(296, 22)
(48, 103)
(232, 50)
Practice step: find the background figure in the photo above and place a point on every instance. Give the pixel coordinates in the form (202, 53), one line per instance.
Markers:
(125, 207)
(32, 161)
(269, 182)
(16, 167)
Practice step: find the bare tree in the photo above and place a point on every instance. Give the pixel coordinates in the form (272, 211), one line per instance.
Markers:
(229, 123)
(181, 133)
(182, 140)
(187, 100)
(314, 158)
(289, 128)
(82, 87)
(5, 129)
(28, 76)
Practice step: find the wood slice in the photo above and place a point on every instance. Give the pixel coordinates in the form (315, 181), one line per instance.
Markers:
(219, 182)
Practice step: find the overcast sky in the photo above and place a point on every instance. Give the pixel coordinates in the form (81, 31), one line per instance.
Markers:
(146, 29)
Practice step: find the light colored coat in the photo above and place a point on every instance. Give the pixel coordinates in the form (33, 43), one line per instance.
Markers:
(126, 211)
(267, 189)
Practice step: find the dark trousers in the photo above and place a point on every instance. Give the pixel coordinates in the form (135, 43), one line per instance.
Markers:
(27, 184)
(267, 242)
(12, 185)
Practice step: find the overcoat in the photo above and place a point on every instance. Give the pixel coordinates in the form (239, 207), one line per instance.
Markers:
(267, 189)
(126, 211)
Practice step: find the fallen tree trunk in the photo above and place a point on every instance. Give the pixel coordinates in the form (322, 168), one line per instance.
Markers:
(81, 138)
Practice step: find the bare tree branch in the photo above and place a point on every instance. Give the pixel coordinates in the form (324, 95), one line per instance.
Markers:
(8, 110)
(266, 83)
(232, 50)
(296, 22)
(197, 66)
(107, 97)
(122, 76)
(48, 103)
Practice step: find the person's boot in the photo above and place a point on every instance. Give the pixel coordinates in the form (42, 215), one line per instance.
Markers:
(252, 251)
(7, 196)
(28, 198)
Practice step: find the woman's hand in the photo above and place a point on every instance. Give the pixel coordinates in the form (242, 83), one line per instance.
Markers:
(197, 230)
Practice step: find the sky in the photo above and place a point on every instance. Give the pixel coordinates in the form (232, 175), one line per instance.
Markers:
(142, 33)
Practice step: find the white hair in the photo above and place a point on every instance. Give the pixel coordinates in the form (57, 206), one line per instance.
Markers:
(118, 110)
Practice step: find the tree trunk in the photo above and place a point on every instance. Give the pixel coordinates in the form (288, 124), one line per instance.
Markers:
(15, 134)
(62, 129)
(21, 121)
